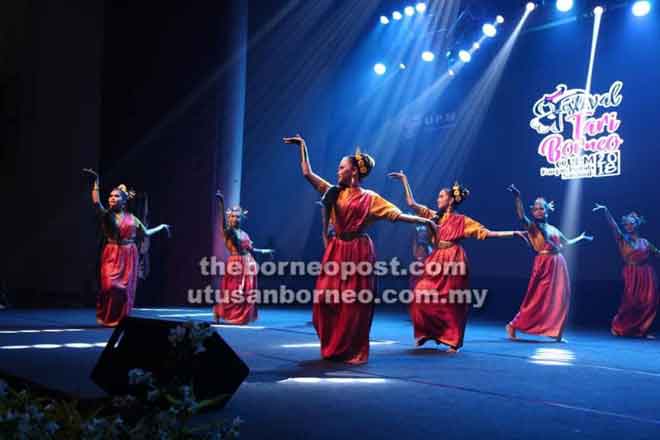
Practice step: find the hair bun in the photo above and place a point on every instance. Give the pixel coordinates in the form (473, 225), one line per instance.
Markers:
(459, 193)
(128, 193)
(364, 162)
(634, 217)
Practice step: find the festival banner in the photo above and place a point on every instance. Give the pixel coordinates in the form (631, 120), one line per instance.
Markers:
(580, 130)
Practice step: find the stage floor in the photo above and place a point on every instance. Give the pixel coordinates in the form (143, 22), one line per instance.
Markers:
(593, 387)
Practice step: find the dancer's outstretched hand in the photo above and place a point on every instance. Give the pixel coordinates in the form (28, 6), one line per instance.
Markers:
(297, 139)
(586, 237)
(400, 176)
(524, 235)
(513, 190)
(91, 172)
(599, 207)
(168, 229)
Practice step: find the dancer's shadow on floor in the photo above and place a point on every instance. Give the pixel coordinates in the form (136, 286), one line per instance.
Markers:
(534, 341)
(429, 351)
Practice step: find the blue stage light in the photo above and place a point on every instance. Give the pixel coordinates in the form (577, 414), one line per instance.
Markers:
(397, 15)
(489, 30)
(564, 5)
(384, 20)
(428, 56)
(421, 7)
(641, 8)
(409, 11)
(465, 56)
(380, 68)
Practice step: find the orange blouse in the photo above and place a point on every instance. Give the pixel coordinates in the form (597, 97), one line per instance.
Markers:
(472, 228)
(380, 209)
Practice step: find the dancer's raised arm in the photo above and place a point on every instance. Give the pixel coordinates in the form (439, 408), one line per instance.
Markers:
(96, 197)
(229, 233)
(610, 220)
(410, 200)
(221, 210)
(520, 211)
(317, 181)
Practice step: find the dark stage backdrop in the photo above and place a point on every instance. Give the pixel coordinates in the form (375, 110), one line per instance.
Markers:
(51, 116)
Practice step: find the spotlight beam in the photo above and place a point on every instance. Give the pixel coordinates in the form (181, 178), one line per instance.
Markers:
(569, 221)
(473, 110)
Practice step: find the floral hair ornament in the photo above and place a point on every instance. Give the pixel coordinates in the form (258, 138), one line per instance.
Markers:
(549, 206)
(633, 217)
(362, 165)
(127, 193)
(237, 210)
(459, 192)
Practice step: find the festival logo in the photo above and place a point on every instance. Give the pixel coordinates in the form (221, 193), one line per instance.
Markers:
(580, 130)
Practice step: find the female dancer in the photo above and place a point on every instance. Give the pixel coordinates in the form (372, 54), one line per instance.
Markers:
(343, 321)
(545, 306)
(640, 283)
(119, 259)
(435, 313)
(239, 282)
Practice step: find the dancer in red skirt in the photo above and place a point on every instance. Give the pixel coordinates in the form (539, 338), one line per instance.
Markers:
(437, 312)
(343, 321)
(639, 302)
(239, 282)
(119, 259)
(545, 306)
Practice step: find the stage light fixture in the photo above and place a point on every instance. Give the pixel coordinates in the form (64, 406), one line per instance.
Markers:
(397, 15)
(428, 56)
(465, 56)
(530, 6)
(489, 30)
(641, 8)
(421, 7)
(380, 68)
(564, 5)
(499, 19)
(384, 20)
(409, 11)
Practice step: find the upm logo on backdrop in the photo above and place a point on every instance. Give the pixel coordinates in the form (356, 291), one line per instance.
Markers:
(580, 131)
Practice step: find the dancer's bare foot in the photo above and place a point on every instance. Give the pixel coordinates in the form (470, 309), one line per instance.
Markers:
(421, 341)
(511, 331)
(650, 336)
(560, 339)
(358, 360)
(452, 350)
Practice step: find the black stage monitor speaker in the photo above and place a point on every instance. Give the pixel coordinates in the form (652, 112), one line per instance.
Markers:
(143, 343)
